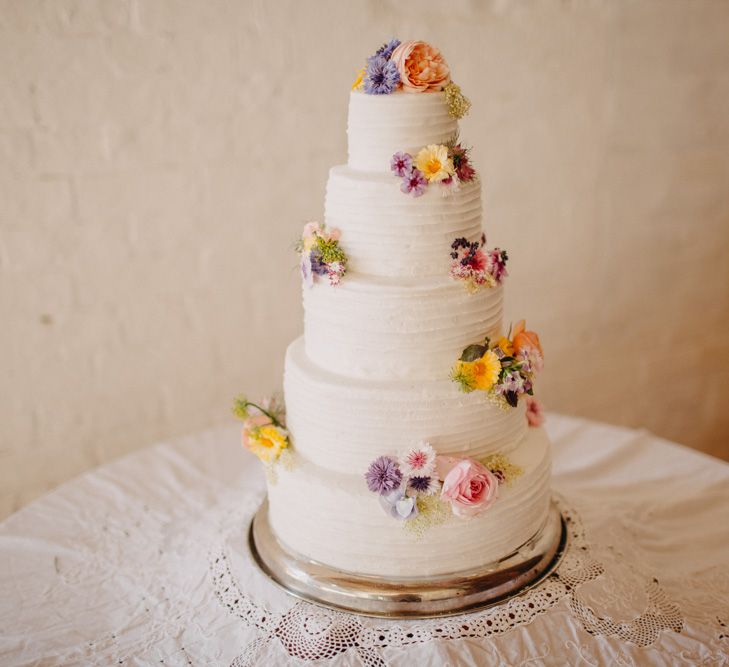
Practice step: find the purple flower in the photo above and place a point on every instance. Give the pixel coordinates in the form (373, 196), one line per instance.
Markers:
(386, 49)
(514, 382)
(401, 164)
(423, 484)
(381, 77)
(383, 475)
(398, 505)
(414, 183)
(317, 266)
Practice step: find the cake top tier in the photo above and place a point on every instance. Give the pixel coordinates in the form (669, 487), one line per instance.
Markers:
(403, 99)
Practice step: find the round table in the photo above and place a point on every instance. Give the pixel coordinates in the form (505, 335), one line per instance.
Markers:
(144, 562)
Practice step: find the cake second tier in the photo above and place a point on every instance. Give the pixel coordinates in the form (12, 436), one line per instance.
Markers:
(342, 423)
(388, 233)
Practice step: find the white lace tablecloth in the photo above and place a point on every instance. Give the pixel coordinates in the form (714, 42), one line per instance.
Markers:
(143, 562)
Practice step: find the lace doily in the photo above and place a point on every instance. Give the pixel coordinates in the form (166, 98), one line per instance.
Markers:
(145, 562)
(309, 632)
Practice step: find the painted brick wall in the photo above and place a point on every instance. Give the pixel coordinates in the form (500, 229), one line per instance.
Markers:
(158, 158)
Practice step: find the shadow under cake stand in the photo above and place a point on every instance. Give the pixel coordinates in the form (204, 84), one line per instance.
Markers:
(409, 597)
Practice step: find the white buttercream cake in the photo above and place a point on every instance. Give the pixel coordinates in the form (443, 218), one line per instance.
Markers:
(414, 440)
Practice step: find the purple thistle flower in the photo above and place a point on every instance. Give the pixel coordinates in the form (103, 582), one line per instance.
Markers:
(424, 484)
(381, 77)
(383, 475)
(386, 49)
(414, 183)
(401, 164)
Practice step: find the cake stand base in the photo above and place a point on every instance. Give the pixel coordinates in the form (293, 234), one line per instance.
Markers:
(409, 597)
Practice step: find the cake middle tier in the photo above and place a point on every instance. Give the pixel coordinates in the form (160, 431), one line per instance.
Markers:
(378, 328)
(386, 232)
(341, 423)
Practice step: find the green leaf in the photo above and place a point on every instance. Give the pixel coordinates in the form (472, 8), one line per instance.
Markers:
(511, 398)
(473, 352)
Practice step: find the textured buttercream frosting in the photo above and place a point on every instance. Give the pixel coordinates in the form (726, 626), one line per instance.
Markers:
(370, 376)
(396, 329)
(343, 423)
(332, 518)
(380, 125)
(388, 233)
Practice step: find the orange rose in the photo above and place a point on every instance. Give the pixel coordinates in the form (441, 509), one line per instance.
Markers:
(526, 340)
(421, 67)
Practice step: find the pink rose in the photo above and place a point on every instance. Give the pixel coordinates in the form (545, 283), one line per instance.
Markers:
(421, 67)
(534, 411)
(470, 487)
(252, 423)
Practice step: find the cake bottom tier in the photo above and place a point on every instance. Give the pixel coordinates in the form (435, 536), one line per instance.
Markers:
(332, 518)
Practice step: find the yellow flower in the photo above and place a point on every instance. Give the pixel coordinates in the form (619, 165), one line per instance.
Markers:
(267, 442)
(358, 81)
(483, 373)
(434, 162)
(506, 346)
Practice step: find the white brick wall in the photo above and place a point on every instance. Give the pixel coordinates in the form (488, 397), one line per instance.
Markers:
(157, 160)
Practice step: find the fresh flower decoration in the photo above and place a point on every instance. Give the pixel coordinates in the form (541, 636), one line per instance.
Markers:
(321, 255)
(505, 369)
(424, 490)
(381, 76)
(264, 432)
(470, 487)
(359, 80)
(421, 67)
(434, 163)
(414, 67)
(476, 266)
(534, 412)
(448, 165)
(458, 104)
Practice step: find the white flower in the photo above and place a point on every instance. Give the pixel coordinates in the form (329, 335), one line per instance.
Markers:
(418, 461)
(447, 188)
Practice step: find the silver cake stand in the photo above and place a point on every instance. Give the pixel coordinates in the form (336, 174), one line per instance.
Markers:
(409, 596)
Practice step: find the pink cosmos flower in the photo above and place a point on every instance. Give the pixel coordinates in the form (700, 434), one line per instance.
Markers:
(414, 183)
(470, 488)
(534, 411)
(401, 164)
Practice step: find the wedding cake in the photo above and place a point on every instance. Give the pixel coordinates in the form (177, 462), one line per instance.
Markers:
(411, 443)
